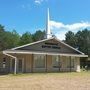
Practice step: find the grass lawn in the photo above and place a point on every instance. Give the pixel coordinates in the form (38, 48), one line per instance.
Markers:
(46, 81)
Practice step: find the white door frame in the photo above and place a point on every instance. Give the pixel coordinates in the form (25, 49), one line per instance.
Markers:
(22, 64)
(11, 70)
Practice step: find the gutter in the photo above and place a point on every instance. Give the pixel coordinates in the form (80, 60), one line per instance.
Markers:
(15, 68)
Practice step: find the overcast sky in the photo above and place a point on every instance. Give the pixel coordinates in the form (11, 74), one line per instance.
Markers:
(30, 15)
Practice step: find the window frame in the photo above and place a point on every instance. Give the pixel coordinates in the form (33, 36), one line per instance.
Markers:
(54, 59)
(4, 63)
(71, 63)
(38, 57)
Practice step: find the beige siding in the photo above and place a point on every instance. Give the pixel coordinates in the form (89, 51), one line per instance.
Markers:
(49, 63)
(28, 61)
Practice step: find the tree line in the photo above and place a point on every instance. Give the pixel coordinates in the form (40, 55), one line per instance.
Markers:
(79, 40)
(13, 39)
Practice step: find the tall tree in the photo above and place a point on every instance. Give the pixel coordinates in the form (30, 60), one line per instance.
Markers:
(26, 38)
(83, 40)
(8, 39)
(1, 28)
(88, 41)
(12, 39)
(71, 39)
(80, 40)
(2, 32)
(38, 35)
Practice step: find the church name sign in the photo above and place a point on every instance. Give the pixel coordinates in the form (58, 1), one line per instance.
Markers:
(51, 45)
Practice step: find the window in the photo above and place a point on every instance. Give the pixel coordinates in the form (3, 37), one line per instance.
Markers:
(39, 61)
(55, 61)
(20, 65)
(70, 63)
(13, 64)
(4, 62)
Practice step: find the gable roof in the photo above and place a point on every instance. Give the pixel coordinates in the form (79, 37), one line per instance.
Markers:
(31, 43)
(46, 40)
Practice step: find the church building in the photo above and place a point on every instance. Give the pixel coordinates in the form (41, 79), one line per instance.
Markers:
(47, 55)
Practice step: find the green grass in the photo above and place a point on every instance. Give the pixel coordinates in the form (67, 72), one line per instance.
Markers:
(83, 73)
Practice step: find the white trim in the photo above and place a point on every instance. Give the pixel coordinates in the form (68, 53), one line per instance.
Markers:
(15, 68)
(5, 53)
(32, 43)
(69, 46)
(46, 40)
(48, 53)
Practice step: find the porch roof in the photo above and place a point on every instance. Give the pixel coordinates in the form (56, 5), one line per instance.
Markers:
(42, 52)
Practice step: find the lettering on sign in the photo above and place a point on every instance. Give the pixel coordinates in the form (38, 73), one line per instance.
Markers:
(51, 45)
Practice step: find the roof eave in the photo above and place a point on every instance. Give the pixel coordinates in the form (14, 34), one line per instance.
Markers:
(46, 53)
(70, 47)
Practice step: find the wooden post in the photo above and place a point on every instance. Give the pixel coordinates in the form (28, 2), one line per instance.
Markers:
(15, 68)
(11, 65)
(70, 63)
(32, 64)
(59, 63)
(46, 62)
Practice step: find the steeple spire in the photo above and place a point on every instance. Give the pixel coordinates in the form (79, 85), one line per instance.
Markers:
(48, 32)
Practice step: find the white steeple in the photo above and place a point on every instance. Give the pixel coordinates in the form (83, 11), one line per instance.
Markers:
(48, 31)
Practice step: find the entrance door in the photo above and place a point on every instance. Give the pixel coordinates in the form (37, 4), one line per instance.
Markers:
(20, 65)
(55, 63)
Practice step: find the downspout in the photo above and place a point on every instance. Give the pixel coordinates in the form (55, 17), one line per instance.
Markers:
(15, 68)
